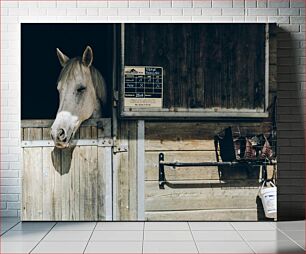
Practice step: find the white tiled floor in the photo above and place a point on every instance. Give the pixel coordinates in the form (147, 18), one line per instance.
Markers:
(116, 236)
(216, 236)
(60, 247)
(68, 236)
(169, 247)
(224, 247)
(152, 237)
(167, 236)
(114, 247)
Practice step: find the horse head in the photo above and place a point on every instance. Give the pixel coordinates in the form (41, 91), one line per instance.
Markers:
(82, 94)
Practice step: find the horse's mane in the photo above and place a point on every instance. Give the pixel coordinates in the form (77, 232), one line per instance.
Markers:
(97, 79)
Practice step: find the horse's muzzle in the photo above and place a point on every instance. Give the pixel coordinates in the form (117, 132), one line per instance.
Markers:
(63, 129)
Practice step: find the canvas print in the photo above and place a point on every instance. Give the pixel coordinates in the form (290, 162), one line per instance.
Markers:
(157, 122)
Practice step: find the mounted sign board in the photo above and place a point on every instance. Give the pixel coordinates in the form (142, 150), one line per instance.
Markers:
(143, 87)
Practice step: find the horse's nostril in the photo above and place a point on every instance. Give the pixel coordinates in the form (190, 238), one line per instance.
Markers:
(61, 132)
(61, 135)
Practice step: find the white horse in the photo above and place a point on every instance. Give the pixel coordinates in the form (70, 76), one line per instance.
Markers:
(82, 92)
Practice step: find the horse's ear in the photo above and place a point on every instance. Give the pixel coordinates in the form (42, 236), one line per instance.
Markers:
(87, 57)
(63, 59)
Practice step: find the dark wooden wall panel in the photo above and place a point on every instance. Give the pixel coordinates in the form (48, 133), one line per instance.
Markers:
(205, 65)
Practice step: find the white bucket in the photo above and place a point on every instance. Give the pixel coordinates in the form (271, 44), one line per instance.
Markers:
(269, 199)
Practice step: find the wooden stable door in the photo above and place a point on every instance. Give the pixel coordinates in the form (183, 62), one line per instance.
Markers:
(72, 184)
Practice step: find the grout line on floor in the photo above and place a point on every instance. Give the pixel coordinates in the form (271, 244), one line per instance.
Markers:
(232, 225)
(43, 238)
(143, 232)
(273, 224)
(10, 228)
(290, 238)
(193, 237)
(90, 237)
(247, 243)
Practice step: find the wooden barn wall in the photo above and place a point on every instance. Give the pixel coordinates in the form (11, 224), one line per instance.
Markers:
(193, 193)
(125, 171)
(200, 193)
(205, 65)
(72, 185)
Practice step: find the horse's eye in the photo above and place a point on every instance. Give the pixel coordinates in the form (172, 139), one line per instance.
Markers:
(81, 89)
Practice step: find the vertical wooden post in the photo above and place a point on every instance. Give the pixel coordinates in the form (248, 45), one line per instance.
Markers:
(140, 170)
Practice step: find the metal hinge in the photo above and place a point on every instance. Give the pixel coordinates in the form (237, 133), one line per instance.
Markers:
(115, 98)
(116, 95)
(120, 149)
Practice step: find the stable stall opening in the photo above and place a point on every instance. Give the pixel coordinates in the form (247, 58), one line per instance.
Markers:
(73, 182)
(40, 66)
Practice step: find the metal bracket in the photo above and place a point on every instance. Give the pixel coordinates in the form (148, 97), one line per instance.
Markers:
(115, 98)
(116, 95)
(103, 142)
(37, 143)
(107, 142)
(121, 149)
(161, 175)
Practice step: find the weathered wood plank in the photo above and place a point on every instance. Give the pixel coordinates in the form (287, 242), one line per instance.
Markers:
(123, 187)
(164, 144)
(101, 130)
(52, 190)
(93, 184)
(193, 136)
(123, 174)
(132, 161)
(126, 171)
(83, 182)
(33, 134)
(101, 191)
(191, 195)
(180, 132)
(72, 183)
(88, 183)
(94, 132)
(25, 133)
(46, 134)
(105, 130)
(85, 132)
(75, 188)
(32, 184)
(66, 183)
(32, 178)
(46, 123)
(21, 134)
(77, 134)
(223, 70)
(41, 123)
(205, 215)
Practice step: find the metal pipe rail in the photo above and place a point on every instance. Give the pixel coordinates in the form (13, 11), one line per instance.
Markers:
(162, 164)
(198, 164)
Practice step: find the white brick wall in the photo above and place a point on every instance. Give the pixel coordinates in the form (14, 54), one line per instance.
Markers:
(288, 13)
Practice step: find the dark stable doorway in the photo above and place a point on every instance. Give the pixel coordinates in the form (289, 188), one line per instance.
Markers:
(40, 67)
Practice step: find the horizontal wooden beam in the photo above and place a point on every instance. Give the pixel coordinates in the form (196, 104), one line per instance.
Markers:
(198, 115)
(46, 123)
